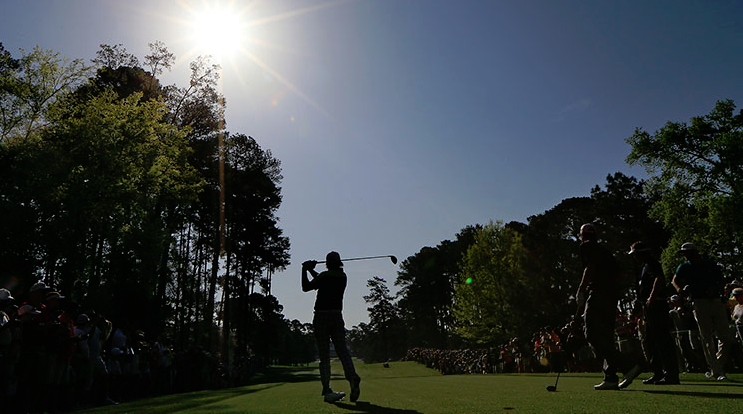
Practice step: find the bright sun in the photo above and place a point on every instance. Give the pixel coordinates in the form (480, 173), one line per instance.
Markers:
(219, 31)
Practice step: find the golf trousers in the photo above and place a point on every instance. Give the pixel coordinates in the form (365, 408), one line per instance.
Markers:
(660, 343)
(329, 326)
(713, 321)
(600, 316)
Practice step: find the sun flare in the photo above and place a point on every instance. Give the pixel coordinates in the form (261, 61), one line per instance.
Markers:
(220, 31)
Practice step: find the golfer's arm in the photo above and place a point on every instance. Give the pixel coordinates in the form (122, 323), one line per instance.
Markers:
(587, 277)
(307, 285)
(675, 284)
(657, 286)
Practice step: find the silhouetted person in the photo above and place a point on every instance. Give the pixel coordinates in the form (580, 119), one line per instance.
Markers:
(700, 279)
(652, 296)
(328, 322)
(600, 287)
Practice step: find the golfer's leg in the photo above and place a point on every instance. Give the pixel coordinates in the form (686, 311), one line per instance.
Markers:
(704, 321)
(599, 330)
(338, 336)
(722, 330)
(323, 350)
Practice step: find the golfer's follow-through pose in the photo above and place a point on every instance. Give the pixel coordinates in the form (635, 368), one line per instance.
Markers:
(600, 283)
(328, 322)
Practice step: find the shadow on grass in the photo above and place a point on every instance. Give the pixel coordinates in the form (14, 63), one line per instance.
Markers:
(178, 402)
(285, 375)
(697, 394)
(367, 407)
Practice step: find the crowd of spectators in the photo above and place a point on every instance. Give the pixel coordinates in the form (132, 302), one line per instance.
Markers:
(56, 357)
(565, 349)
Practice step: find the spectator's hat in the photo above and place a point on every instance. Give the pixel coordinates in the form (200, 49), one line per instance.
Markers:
(115, 352)
(5, 295)
(688, 247)
(638, 247)
(54, 295)
(736, 292)
(39, 286)
(27, 310)
(82, 319)
(588, 228)
(675, 298)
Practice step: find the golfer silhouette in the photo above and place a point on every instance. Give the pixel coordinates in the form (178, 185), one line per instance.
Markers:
(328, 322)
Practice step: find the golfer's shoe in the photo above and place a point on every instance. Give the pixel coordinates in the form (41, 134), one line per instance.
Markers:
(652, 380)
(630, 376)
(607, 385)
(332, 397)
(668, 381)
(355, 389)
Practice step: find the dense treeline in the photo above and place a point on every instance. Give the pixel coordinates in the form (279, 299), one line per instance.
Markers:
(500, 281)
(110, 193)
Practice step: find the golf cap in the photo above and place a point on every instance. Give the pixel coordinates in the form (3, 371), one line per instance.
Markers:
(82, 319)
(5, 295)
(39, 286)
(333, 258)
(737, 292)
(27, 310)
(638, 247)
(675, 298)
(54, 295)
(688, 247)
(588, 228)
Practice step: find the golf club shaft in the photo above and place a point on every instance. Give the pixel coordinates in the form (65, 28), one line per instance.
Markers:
(394, 260)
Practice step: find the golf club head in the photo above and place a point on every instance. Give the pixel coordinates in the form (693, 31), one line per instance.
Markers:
(551, 388)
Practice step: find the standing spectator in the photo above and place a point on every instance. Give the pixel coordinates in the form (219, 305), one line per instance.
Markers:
(599, 286)
(652, 295)
(162, 364)
(701, 280)
(119, 361)
(737, 294)
(737, 327)
(59, 331)
(328, 322)
(100, 331)
(31, 366)
(81, 363)
(7, 364)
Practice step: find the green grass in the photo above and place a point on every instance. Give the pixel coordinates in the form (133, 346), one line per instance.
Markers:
(410, 388)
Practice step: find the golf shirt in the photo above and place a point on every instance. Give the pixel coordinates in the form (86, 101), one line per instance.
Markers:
(605, 281)
(330, 286)
(704, 278)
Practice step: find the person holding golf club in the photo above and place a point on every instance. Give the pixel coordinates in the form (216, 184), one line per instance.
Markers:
(599, 289)
(652, 305)
(701, 281)
(328, 322)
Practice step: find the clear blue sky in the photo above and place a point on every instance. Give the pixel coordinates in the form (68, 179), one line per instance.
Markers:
(398, 123)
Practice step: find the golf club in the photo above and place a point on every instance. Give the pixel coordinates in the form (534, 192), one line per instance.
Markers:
(554, 387)
(392, 258)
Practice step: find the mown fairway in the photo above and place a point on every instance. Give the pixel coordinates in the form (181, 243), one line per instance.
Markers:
(409, 388)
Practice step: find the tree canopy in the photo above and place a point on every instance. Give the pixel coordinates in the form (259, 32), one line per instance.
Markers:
(697, 176)
(110, 191)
